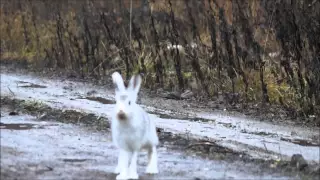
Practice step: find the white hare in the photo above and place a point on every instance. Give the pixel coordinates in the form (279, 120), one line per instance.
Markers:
(132, 129)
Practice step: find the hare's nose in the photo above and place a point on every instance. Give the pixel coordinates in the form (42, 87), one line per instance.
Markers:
(122, 115)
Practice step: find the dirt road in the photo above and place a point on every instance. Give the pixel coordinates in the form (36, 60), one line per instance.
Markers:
(49, 149)
(33, 149)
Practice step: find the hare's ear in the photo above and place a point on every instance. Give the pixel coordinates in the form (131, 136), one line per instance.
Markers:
(118, 81)
(135, 83)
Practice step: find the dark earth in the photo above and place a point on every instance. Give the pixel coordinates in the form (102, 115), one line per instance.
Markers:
(41, 141)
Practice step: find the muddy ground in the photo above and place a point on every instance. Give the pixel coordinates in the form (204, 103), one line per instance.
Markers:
(198, 142)
(52, 147)
(168, 100)
(60, 146)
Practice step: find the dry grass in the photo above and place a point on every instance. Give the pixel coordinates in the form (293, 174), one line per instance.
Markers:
(37, 35)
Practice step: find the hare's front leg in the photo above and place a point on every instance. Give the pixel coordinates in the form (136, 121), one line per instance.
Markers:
(152, 167)
(133, 166)
(122, 167)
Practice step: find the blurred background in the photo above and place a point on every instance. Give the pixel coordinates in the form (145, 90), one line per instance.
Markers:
(259, 51)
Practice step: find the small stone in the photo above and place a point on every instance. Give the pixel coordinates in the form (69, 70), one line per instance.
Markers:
(91, 92)
(13, 113)
(220, 99)
(316, 170)
(293, 133)
(273, 165)
(160, 90)
(187, 94)
(172, 95)
(212, 150)
(298, 161)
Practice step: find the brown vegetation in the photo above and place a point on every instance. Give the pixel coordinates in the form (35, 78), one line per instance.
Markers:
(234, 41)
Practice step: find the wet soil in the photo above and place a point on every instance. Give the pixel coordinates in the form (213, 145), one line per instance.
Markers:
(183, 126)
(301, 142)
(99, 99)
(159, 99)
(235, 132)
(202, 153)
(20, 126)
(80, 151)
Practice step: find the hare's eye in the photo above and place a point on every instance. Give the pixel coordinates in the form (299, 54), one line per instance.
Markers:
(129, 102)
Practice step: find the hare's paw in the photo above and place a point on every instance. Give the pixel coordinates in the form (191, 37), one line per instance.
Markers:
(152, 169)
(133, 175)
(122, 176)
(122, 162)
(117, 170)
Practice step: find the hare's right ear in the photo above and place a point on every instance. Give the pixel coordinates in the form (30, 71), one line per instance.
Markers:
(135, 83)
(118, 81)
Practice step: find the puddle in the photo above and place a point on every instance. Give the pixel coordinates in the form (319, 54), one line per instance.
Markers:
(31, 85)
(260, 133)
(99, 99)
(13, 113)
(76, 152)
(22, 82)
(227, 125)
(301, 142)
(166, 116)
(199, 119)
(20, 126)
(229, 128)
(179, 117)
(74, 160)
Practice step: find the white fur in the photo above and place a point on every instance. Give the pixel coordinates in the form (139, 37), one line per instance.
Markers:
(135, 133)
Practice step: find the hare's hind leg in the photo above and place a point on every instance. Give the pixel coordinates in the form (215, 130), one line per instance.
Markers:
(152, 167)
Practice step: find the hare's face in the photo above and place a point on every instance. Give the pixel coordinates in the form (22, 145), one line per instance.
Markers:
(126, 97)
(125, 102)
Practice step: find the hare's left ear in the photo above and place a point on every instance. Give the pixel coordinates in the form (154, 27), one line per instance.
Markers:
(135, 83)
(118, 82)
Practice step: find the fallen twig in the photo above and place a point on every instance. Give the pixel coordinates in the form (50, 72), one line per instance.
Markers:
(209, 143)
(104, 60)
(11, 91)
